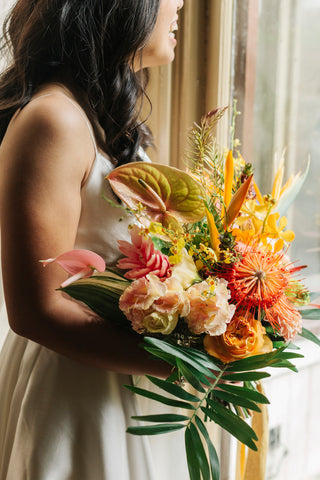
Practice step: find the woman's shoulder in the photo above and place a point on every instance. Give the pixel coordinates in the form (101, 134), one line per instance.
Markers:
(54, 124)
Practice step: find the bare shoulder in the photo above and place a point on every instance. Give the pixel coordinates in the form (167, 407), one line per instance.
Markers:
(52, 128)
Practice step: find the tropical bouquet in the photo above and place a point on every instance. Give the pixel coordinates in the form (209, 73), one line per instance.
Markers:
(207, 282)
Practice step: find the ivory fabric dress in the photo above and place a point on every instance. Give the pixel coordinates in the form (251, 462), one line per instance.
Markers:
(62, 420)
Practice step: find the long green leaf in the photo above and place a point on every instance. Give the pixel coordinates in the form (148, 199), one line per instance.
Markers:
(233, 424)
(255, 362)
(310, 336)
(213, 457)
(204, 380)
(159, 398)
(192, 458)
(159, 354)
(236, 400)
(177, 352)
(203, 358)
(200, 452)
(245, 393)
(311, 314)
(245, 376)
(189, 376)
(163, 417)
(174, 389)
(154, 429)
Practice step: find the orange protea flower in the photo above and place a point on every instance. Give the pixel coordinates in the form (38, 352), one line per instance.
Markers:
(243, 338)
(258, 279)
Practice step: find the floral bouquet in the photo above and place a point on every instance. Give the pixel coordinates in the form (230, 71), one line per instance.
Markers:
(207, 283)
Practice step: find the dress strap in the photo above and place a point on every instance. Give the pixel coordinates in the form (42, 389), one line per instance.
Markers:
(84, 116)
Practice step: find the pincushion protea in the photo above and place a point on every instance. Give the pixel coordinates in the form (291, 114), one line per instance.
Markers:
(141, 257)
(258, 281)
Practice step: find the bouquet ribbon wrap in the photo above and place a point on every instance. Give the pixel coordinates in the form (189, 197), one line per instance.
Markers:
(252, 466)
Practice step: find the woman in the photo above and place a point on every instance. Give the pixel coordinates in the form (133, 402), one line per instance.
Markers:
(69, 108)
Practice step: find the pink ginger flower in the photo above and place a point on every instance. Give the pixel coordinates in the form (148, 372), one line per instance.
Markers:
(210, 311)
(141, 257)
(79, 263)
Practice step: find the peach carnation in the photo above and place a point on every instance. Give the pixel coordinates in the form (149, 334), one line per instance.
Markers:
(209, 308)
(141, 256)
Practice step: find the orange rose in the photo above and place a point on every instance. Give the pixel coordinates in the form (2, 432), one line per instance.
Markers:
(243, 338)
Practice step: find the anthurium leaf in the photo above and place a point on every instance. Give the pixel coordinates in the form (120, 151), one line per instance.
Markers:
(189, 376)
(310, 336)
(244, 392)
(200, 452)
(213, 457)
(236, 400)
(245, 376)
(174, 389)
(179, 353)
(165, 417)
(155, 429)
(159, 398)
(233, 424)
(166, 192)
(192, 458)
(310, 314)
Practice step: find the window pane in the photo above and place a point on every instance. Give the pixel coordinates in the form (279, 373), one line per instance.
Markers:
(281, 110)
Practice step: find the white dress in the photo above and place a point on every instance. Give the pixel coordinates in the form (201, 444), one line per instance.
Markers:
(62, 420)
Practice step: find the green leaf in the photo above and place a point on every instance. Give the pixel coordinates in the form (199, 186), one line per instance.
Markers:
(310, 336)
(102, 301)
(255, 362)
(245, 376)
(310, 314)
(189, 376)
(154, 429)
(178, 352)
(213, 457)
(159, 398)
(244, 392)
(285, 364)
(192, 458)
(204, 359)
(236, 400)
(199, 376)
(313, 296)
(159, 354)
(200, 452)
(232, 423)
(174, 389)
(165, 417)
(167, 193)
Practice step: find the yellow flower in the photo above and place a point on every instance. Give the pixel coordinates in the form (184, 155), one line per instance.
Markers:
(254, 213)
(276, 232)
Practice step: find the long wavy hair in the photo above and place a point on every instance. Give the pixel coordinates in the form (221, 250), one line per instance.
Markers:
(91, 42)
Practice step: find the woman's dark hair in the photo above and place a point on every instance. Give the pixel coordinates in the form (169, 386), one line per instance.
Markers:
(92, 42)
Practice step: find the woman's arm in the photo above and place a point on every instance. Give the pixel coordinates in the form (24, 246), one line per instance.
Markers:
(44, 159)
